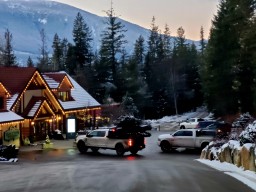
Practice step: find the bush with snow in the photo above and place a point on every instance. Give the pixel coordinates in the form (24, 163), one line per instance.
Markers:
(249, 134)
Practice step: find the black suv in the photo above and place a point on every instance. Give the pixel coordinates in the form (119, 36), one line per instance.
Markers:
(221, 128)
(204, 124)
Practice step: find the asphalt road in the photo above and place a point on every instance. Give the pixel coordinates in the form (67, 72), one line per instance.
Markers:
(149, 171)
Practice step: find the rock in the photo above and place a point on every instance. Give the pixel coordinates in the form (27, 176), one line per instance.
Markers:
(248, 157)
(225, 154)
(252, 165)
(203, 154)
(236, 154)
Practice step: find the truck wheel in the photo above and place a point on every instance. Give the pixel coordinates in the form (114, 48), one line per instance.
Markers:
(165, 146)
(182, 127)
(119, 150)
(134, 151)
(81, 147)
(95, 149)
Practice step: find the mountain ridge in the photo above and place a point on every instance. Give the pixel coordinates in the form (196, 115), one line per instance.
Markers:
(25, 18)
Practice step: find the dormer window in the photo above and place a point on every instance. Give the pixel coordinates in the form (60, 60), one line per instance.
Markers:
(64, 96)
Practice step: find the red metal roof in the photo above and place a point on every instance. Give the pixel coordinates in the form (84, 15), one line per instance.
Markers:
(16, 78)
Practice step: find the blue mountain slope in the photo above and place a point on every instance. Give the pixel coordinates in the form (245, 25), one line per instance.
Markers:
(25, 19)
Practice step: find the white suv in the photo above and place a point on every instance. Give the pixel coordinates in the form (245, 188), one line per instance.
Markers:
(190, 123)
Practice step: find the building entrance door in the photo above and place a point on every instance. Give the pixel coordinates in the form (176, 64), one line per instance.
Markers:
(42, 128)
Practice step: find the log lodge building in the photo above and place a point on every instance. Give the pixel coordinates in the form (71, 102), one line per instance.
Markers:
(33, 104)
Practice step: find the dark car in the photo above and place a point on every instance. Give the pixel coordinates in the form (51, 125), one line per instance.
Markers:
(222, 128)
(204, 124)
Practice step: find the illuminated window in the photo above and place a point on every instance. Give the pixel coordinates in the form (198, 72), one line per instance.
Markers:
(64, 96)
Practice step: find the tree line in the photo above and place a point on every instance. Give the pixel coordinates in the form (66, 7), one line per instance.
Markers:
(163, 75)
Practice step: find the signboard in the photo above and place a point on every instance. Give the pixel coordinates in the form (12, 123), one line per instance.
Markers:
(71, 128)
(71, 125)
(12, 134)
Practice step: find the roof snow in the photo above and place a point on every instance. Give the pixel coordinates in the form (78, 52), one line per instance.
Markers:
(51, 82)
(9, 116)
(81, 97)
(11, 100)
(34, 109)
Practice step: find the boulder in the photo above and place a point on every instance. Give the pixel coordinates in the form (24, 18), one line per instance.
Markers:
(203, 154)
(248, 157)
(236, 156)
(225, 154)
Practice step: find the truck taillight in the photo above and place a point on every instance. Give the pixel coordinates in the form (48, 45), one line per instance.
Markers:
(130, 142)
(144, 141)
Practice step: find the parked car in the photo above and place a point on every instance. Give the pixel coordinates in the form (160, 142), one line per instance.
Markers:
(185, 138)
(204, 124)
(118, 139)
(222, 129)
(190, 123)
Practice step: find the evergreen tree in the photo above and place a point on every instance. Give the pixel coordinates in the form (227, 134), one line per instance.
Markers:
(202, 41)
(160, 51)
(183, 72)
(179, 57)
(181, 39)
(195, 98)
(134, 81)
(167, 42)
(57, 53)
(224, 62)
(247, 61)
(150, 67)
(128, 106)
(1, 51)
(9, 59)
(153, 42)
(43, 60)
(30, 62)
(139, 51)
(156, 75)
(70, 61)
(82, 39)
(112, 42)
(64, 48)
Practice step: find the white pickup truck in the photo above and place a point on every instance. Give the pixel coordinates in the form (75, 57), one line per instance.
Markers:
(190, 123)
(111, 138)
(185, 138)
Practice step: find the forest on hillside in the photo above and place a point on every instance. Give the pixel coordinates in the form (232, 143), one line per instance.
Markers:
(163, 75)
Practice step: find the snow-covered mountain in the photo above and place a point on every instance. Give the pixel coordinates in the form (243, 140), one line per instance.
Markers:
(25, 19)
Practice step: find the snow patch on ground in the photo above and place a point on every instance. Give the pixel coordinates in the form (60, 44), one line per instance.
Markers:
(4, 160)
(246, 177)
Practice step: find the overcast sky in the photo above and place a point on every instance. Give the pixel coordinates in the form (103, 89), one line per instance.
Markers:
(189, 14)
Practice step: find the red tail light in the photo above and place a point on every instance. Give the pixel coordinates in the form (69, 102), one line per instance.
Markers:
(130, 142)
(113, 129)
(144, 141)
